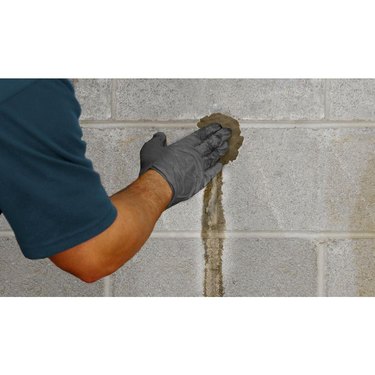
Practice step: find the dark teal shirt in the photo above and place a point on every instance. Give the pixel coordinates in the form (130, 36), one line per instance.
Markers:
(49, 191)
(10, 87)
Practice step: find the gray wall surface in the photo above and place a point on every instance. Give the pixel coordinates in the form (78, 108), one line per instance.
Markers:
(299, 201)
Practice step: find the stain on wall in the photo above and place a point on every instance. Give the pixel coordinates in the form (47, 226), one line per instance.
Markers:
(213, 219)
(213, 228)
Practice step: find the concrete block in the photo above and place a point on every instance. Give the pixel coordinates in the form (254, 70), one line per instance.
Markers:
(94, 95)
(163, 267)
(273, 184)
(302, 179)
(21, 277)
(4, 225)
(250, 99)
(351, 99)
(269, 267)
(347, 183)
(115, 155)
(350, 267)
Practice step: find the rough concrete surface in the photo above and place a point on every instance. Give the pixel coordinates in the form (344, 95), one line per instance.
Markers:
(21, 277)
(351, 99)
(302, 179)
(269, 267)
(350, 267)
(168, 267)
(253, 99)
(348, 179)
(4, 225)
(95, 98)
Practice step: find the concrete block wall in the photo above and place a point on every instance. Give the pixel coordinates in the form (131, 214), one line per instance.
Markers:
(299, 201)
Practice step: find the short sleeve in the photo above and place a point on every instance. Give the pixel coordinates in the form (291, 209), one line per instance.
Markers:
(49, 191)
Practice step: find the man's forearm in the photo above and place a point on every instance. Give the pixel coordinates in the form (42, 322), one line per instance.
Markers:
(186, 165)
(138, 206)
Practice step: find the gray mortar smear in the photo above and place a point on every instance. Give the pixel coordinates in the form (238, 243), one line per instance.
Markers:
(213, 219)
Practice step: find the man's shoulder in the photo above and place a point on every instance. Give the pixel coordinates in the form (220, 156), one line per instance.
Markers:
(10, 87)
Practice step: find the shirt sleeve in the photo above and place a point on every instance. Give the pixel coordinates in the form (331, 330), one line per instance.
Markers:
(49, 191)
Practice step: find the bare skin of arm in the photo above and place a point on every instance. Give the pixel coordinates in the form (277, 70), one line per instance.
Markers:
(139, 206)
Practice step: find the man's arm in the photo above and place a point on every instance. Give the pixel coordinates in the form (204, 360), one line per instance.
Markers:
(138, 208)
(169, 175)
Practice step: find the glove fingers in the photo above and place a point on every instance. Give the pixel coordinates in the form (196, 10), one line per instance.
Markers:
(200, 135)
(160, 137)
(212, 172)
(214, 141)
(212, 158)
(225, 134)
(152, 150)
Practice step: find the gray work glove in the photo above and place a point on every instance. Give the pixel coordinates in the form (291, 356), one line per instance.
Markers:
(188, 164)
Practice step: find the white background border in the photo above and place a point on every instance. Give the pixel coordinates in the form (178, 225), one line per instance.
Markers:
(192, 39)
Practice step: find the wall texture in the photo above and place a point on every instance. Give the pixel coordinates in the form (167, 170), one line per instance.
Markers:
(299, 201)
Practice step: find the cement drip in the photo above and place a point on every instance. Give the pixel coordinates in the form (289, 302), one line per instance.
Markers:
(213, 220)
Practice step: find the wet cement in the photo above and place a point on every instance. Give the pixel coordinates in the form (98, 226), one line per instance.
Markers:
(236, 139)
(213, 219)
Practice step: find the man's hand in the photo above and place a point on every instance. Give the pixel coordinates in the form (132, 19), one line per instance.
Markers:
(189, 164)
(152, 151)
